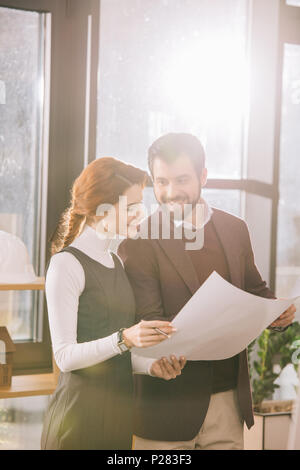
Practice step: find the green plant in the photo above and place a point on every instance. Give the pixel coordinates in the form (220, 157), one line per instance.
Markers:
(271, 348)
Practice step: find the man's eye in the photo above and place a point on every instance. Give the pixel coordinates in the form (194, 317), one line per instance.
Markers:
(182, 181)
(161, 183)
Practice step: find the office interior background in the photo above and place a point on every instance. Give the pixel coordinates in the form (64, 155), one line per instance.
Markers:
(83, 79)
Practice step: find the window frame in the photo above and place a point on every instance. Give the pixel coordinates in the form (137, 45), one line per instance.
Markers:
(286, 29)
(74, 53)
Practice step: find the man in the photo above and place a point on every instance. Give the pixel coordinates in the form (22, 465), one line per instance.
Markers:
(204, 407)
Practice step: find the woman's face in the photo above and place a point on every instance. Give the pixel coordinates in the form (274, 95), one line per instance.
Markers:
(122, 218)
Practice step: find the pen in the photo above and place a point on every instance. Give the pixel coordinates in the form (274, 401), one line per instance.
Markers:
(162, 332)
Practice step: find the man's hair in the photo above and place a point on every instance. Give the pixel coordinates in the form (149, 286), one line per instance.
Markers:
(171, 146)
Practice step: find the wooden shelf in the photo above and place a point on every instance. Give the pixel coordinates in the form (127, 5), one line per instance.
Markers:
(39, 284)
(30, 385)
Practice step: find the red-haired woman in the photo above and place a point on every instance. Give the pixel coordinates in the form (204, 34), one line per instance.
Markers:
(91, 312)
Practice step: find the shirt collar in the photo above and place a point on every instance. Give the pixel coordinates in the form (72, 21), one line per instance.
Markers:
(89, 236)
(207, 216)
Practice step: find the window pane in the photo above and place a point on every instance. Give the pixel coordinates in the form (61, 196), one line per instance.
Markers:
(21, 422)
(21, 100)
(288, 253)
(226, 200)
(173, 66)
(294, 3)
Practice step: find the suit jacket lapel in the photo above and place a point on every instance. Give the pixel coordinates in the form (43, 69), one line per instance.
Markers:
(174, 249)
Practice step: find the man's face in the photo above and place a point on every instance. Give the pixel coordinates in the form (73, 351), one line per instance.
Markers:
(177, 184)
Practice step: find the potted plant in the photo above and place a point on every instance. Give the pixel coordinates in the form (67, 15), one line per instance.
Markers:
(268, 355)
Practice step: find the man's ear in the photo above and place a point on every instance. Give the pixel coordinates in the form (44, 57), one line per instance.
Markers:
(203, 178)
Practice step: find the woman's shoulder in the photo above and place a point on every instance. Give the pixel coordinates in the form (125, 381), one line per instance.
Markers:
(64, 268)
(63, 259)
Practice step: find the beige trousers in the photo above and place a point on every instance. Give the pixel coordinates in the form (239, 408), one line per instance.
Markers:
(222, 428)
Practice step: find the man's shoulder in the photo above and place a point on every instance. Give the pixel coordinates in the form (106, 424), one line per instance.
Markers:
(133, 247)
(227, 217)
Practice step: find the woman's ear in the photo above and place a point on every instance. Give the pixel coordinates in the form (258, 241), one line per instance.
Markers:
(203, 179)
(91, 220)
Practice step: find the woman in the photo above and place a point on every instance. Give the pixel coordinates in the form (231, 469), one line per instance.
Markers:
(91, 312)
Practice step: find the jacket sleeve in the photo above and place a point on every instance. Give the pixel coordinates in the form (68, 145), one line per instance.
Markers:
(142, 270)
(253, 280)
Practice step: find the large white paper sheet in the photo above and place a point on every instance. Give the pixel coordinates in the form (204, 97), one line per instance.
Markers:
(218, 322)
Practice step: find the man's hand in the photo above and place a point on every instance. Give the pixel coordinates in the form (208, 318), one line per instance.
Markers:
(168, 369)
(286, 318)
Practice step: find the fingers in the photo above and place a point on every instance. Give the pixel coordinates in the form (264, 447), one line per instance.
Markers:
(148, 332)
(145, 333)
(176, 365)
(153, 338)
(155, 332)
(290, 312)
(290, 318)
(286, 318)
(167, 368)
(151, 341)
(182, 362)
(162, 325)
(172, 367)
(275, 324)
(156, 369)
(284, 322)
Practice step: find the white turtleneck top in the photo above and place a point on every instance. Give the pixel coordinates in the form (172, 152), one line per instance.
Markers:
(65, 282)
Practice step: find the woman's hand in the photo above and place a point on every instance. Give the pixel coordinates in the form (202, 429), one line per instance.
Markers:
(144, 334)
(167, 370)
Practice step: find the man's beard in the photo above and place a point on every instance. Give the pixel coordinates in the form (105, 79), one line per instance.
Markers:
(182, 207)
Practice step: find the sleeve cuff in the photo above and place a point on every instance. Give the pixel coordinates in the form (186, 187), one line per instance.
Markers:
(114, 343)
(149, 367)
(279, 329)
(141, 365)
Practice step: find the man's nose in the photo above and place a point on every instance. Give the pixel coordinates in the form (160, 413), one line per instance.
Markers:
(171, 192)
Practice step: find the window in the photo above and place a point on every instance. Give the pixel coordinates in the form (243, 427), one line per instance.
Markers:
(173, 66)
(22, 422)
(22, 85)
(288, 254)
(293, 3)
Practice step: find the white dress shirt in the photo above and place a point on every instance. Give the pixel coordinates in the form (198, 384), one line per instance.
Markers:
(65, 282)
(204, 219)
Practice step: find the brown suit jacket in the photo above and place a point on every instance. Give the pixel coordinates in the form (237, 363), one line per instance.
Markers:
(163, 280)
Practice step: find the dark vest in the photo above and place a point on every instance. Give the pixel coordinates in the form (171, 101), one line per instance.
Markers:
(211, 258)
(92, 407)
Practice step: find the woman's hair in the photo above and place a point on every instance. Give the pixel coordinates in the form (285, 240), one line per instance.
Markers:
(101, 182)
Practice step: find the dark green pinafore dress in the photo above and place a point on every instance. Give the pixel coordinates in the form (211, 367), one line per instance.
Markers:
(92, 408)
